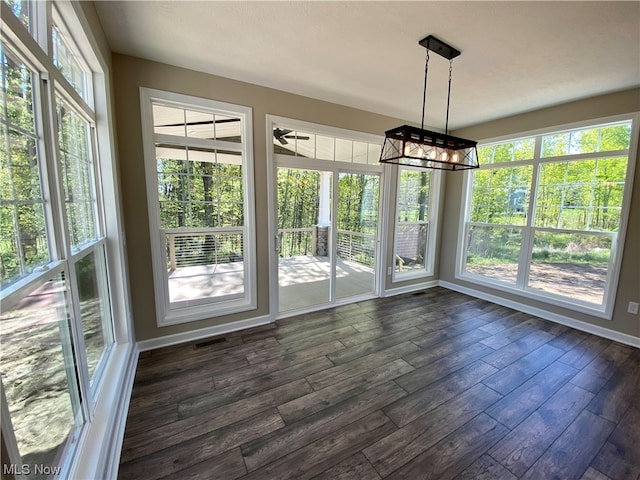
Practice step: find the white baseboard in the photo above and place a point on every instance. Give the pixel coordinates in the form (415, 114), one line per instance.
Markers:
(410, 288)
(545, 314)
(190, 336)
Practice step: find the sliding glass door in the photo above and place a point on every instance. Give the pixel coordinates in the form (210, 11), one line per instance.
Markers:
(321, 261)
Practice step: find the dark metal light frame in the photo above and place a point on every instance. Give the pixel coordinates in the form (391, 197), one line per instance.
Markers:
(417, 147)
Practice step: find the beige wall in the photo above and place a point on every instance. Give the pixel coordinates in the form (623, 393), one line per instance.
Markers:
(598, 107)
(132, 73)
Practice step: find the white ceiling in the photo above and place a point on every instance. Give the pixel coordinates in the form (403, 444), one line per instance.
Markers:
(516, 56)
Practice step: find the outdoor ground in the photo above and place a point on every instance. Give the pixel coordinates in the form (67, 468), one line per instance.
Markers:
(586, 281)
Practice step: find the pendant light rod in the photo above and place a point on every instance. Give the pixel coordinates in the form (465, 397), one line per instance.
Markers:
(445, 50)
(424, 94)
(446, 124)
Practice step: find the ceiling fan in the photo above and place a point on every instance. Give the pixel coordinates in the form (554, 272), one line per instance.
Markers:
(281, 134)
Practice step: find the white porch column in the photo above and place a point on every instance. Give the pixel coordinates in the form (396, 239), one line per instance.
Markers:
(324, 213)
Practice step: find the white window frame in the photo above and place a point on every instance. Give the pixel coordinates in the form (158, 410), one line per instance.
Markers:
(275, 160)
(165, 313)
(92, 450)
(605, 310)
(432, 227)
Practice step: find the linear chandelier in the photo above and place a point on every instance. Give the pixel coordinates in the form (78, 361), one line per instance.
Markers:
(417, 147)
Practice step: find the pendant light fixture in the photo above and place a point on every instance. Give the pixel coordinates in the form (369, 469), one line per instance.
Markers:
(417, 147)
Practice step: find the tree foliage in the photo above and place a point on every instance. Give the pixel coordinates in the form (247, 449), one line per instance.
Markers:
(578, 182)
(24, 243)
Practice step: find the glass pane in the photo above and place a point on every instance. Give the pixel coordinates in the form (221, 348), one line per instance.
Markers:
(17, 92)
(195, 124)
(503, 153)
(202, 267)
(357, 227)
(94, 307)
(524, 149)
(305, 144)
(344, 150)
(65, 58)
(199, 188)
(590, 140)
(411, 246)
(227, 128)
(493, 252)
(360, 153)
(77, 172)
(581, 195)
(38, 373)
(23, 244)
(21, 9)
(413, 195)
(485, 154)
(615, 137)
(374, 152)
(304, 230)
(199, 124)
(555, 145)
(583, 141)
(571, 265)
(325, 148)
(507, 151)
(501, 196)
(169, 120)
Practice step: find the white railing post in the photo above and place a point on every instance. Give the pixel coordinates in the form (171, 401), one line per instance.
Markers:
(172, 252)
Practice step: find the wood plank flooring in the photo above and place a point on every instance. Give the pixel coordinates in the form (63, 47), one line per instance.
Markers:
(429, 385)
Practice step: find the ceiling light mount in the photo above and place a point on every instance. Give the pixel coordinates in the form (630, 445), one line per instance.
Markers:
(438, 46)
(417, 147)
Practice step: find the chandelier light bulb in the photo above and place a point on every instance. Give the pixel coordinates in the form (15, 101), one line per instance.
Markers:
(407, 149)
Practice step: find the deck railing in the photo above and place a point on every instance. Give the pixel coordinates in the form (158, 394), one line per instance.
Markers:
(203, 247)
(353, 246)
(215, 246)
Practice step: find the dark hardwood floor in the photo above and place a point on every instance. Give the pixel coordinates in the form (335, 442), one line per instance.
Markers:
(420, 386)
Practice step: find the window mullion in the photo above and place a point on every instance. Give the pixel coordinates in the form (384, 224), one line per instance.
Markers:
(96, 188)
(526, 249)
(41, 23)
(53, 176)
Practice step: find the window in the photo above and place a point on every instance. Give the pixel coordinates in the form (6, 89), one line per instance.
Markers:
(56, 323)
(414, 232)
(199, 170)
(545, 214)
(305, 144)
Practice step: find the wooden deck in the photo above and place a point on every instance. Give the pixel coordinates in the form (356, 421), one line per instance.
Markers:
(303, 280)
(419, 386)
